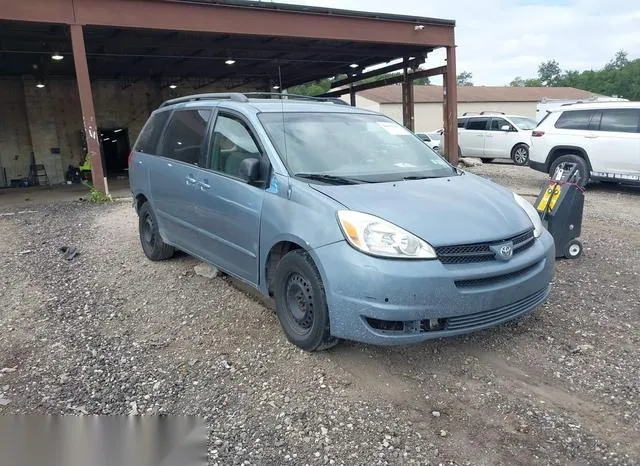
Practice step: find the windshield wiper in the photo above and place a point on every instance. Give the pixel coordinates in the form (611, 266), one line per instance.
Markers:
(329, 178)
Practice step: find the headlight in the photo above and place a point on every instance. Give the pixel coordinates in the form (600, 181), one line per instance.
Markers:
(377, 237)
(532, 213)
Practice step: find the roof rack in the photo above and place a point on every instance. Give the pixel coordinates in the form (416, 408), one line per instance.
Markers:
(490, 112)
(245, 96)
(235, 96)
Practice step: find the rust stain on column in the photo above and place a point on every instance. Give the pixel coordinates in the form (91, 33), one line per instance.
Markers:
(88, 112)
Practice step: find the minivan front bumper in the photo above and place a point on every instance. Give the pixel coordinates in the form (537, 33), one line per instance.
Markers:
(394, 302)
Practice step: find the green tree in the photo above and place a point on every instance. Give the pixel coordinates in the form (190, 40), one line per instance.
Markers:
(620, 61)
(464, 78)
(311, 89)
(518, 81)
(549, 73)
(619, 77)
(422, 81)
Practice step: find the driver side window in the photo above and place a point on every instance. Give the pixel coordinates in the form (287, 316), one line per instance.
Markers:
(232, 142)
(498, 123)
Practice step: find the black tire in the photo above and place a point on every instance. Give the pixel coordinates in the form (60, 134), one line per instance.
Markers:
(486, 160)
(583, 168)
(573, 249)
(152, 245)
(520, 154)
(301, 305)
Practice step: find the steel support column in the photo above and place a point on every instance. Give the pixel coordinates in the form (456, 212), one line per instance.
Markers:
(407, 101)
(352, 95)
(450, 89)
(86, 104)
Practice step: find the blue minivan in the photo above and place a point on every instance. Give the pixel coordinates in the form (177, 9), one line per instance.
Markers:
(355, 227)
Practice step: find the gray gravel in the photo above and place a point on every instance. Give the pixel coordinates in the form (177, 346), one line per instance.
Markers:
(113, 333)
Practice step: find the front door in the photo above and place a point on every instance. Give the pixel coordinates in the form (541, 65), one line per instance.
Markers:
(498, 142)
(229, 209)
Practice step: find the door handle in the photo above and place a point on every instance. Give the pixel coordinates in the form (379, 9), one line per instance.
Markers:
(591, 136)
(190, 180)
(204, 184)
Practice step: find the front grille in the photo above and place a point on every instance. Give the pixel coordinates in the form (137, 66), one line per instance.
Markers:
(465, 322)
(502, 313)
(481, 252)
(496, 278)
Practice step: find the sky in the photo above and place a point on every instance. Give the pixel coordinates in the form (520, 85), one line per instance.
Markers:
(500, 39)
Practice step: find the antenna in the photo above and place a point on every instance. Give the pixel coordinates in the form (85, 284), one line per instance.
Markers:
(284, 133)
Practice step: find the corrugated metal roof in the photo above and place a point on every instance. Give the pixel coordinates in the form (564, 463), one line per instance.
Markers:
(433, 94)
(322, 11)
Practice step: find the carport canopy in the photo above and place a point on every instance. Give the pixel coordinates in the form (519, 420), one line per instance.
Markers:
(238, 44)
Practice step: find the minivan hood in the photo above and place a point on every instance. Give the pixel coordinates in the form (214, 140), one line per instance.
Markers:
(442, 211)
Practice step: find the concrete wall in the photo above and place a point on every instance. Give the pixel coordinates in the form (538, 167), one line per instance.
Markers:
(37, 120)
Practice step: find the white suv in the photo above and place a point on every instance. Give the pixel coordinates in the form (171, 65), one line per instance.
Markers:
(493, 135)
(603, 139)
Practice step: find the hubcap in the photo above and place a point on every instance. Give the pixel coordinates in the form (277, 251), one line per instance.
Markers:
(521, 155)
(148, 233)
(299, 302)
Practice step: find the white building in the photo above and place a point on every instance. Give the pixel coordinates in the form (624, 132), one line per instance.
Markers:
(428, 101)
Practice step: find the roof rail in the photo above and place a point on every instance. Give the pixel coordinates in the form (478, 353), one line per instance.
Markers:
(245, 96)
(279, 95)
(236, 96)
(491, 112)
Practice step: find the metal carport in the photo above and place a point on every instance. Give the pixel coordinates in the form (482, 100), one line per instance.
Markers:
(241, 44)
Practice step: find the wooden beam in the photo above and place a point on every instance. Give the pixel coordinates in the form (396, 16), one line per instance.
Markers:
(369, 74)
(386, 82)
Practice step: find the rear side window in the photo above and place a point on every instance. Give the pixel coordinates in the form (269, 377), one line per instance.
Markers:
(462, 122)
(477, 123)
(577, 119)
(185, 135)
(621, 120)
(150, 135)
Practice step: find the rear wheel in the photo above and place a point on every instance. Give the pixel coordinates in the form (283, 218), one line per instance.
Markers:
(583, 169)
(520, 154)
(152, 245)
(301, 304)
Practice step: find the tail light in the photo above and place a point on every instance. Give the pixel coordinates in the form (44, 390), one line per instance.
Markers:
(537, 134)
(130, 158)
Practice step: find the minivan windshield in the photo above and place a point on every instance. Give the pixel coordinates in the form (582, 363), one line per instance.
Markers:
(523, 123)
(351, 147)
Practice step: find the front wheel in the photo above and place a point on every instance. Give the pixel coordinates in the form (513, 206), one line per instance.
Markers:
(520, 154)
(301, 304)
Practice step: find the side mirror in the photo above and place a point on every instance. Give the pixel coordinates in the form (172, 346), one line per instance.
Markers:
(249, 170)
(505, 128)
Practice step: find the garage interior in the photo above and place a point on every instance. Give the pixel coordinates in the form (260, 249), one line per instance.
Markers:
(81, 76)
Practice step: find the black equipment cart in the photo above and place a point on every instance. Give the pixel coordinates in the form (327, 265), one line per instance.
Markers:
(560, 206)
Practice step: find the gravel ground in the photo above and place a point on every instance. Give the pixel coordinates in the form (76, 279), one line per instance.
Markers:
(113, 333)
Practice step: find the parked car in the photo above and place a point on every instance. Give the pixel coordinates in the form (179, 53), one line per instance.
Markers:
(603, 139)
(431, 139)
(495, 136)
(355, 228)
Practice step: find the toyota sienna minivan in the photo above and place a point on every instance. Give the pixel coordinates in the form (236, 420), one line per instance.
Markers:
(355, 227)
